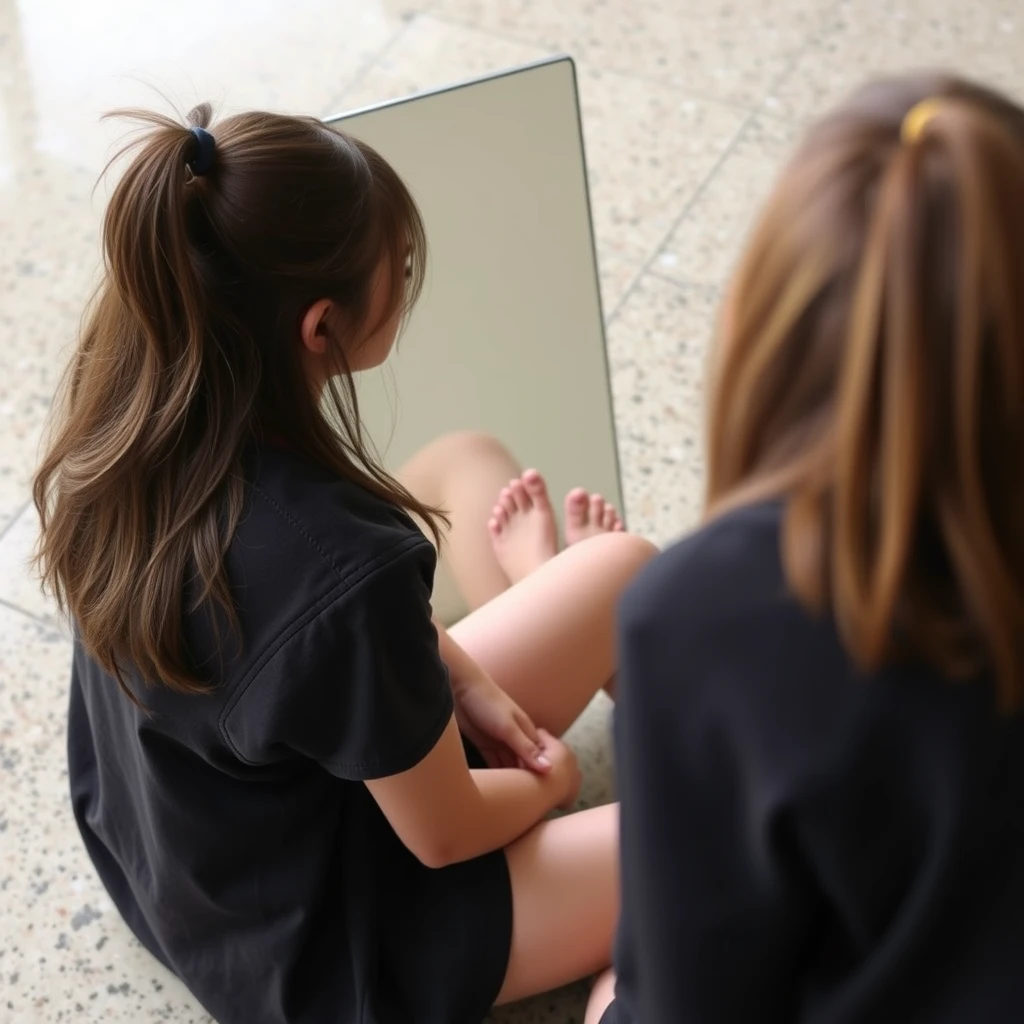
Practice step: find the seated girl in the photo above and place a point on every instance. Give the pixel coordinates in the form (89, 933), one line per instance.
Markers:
(820, 737)
(308, 800)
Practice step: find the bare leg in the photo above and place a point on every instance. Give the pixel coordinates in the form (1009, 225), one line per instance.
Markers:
(549, 641)
(503, 525)
(522, 526)
(464, 473)
(565, 901)
(601, 996)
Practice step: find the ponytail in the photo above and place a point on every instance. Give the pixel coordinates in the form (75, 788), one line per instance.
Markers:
(140, 388)
(892, 400)
(216, 240)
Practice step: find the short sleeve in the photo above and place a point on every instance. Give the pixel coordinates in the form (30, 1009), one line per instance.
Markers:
(357, 684)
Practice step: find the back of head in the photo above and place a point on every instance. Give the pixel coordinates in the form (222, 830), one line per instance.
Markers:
(216, 243)
(870, 371)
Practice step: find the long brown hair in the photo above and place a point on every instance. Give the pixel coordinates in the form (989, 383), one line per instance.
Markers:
(191, 351)
(870, 372)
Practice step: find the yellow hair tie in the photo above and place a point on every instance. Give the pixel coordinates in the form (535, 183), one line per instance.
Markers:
(917, 119)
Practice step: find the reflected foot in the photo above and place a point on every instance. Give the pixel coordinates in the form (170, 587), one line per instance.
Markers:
(587, 515)
(522, 526)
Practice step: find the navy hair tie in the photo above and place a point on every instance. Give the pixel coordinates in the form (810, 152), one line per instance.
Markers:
(203, 160)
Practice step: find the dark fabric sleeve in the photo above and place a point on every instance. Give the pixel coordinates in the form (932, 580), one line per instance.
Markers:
(715, 915)
(357, 684)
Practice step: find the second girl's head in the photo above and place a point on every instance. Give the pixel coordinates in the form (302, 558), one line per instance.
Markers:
(251, 267)
(871, 373)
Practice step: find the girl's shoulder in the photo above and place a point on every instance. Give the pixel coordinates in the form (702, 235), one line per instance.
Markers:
(308, 514)
(728, 560)
(307, 541)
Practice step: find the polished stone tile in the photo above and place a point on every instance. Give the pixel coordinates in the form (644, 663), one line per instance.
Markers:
(709, 239)
(617, 275)
(715, 48)
(18, 584)
(65, 954)
(297, 57)
(48, 262)
(866, 38)
(429, 54)
(658, 346)
(648, 146)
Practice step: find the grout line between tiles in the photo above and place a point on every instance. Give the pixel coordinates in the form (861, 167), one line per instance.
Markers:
(673, 227)
(334, 107)
(647, 268)
(38, 620)
(586, 63)
(14, 518)
(685, 283)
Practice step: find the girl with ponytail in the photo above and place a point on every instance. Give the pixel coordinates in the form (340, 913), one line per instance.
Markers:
(309, 800)
(820, 731)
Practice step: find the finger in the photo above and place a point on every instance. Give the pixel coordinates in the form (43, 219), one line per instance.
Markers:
(526, 724)
(527, 749)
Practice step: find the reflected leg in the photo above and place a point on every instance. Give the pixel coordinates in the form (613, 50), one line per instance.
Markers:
(464, 473)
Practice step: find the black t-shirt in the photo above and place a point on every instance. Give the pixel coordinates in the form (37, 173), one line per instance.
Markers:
(802, 843)
(232, 828)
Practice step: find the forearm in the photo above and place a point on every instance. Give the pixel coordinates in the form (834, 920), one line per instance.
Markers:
(511, 802)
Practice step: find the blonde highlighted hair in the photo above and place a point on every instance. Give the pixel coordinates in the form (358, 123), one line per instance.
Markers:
(870, 373)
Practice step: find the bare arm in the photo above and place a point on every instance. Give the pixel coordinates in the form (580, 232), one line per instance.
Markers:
(500, 730)
(444, 812)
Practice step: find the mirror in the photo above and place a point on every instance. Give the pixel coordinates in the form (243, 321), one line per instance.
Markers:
(508, 336)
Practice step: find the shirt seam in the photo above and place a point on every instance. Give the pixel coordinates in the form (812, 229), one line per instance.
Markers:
(300, 529)
(346, 585)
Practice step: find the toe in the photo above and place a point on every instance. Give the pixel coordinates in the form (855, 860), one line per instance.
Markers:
(610, 518)
(495, 526)
(506, 501)
(596, 509)
(536, 487)
(520, 495)
(576, 506)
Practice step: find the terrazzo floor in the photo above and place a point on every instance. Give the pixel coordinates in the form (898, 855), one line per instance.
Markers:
(689, 106)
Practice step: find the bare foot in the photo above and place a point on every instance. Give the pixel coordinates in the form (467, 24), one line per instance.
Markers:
(587, 515)
(522, 526)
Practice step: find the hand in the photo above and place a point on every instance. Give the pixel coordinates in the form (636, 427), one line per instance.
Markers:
(498, 727)
(565, 771)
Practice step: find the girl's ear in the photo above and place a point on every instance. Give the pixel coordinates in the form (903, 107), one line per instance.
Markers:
(315, 328)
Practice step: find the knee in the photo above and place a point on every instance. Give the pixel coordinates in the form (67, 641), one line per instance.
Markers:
(473, 443)
(624, 553)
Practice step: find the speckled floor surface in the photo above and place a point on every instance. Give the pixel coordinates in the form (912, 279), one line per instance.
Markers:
(689, 106)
